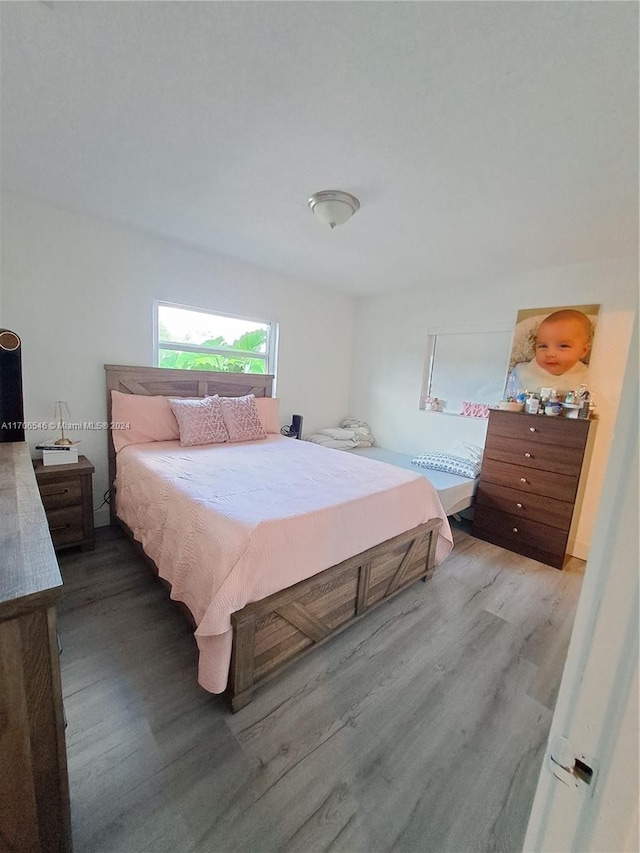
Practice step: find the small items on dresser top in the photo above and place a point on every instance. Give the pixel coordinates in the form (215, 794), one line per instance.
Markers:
(547, 401)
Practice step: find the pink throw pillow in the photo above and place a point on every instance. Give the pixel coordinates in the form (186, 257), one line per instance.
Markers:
(241, 418)
(199, 421)
(147, 419)
(269, 412)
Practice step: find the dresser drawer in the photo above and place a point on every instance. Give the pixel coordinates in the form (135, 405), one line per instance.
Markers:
(61, 493)
(538, 541)
(559, 431)
(529, 480)
(533, 454)
(65, 525)
(534, 507)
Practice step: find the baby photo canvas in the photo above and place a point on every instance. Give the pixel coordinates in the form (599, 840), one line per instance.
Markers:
(551, 349)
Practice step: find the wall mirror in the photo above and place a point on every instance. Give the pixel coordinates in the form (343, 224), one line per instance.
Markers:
(465, 365)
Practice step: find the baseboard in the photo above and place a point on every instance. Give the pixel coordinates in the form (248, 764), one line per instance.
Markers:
(578, 549)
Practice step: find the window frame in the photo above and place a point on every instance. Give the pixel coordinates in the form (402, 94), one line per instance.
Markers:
(426, 389)
(269, 356)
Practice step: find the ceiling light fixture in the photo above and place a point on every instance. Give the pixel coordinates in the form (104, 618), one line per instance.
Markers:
(333, 207)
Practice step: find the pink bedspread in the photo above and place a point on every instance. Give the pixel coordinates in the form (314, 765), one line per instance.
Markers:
(229, 524)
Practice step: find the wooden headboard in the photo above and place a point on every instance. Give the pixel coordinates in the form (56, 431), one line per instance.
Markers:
(160, 381)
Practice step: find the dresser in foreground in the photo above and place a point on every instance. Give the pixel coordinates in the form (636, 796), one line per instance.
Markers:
(34, 786)
(526, 496)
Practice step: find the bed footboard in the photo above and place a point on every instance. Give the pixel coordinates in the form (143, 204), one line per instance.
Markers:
(270, 634)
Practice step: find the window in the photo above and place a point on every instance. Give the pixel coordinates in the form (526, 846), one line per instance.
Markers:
(466, 365)
(195, 339)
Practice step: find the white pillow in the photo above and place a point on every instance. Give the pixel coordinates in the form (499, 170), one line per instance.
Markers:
(449, 463)
(469, 451)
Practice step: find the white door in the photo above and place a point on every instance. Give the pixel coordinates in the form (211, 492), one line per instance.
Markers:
(587, 795)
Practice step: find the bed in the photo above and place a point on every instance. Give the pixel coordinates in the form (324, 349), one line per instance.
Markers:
(272, 546)
(455, 493)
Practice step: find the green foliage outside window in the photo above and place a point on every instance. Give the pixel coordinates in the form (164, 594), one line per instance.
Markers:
(220, 355)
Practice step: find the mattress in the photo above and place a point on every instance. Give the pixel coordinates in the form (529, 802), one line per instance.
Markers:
(455, 493)
(230, 524)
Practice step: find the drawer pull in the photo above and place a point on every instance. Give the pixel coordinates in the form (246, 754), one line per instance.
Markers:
(59, 492)
(519, 506)
(59, 527)
(515, 529)
(527, 456)
(523, 479)
(532, 429)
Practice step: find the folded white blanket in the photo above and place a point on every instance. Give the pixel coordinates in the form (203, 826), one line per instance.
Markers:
(363, 429)
(327, 441)
(352, 433)
(339, 433)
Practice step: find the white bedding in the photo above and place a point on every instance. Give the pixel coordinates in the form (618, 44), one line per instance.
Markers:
(455, 493)
(228, 524)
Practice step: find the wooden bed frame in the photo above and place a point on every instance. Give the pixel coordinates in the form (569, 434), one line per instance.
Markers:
(270, 634)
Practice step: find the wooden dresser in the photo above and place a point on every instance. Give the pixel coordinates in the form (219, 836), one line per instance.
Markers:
(528, 484)
(34, 787)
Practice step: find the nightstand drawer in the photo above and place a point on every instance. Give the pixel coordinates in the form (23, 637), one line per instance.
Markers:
(65, 526)
(61, 493)
(538, 508)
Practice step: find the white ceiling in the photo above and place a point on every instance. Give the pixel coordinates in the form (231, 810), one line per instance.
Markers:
(481, 138)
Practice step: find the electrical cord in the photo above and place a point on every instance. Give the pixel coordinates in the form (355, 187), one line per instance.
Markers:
(106, 499)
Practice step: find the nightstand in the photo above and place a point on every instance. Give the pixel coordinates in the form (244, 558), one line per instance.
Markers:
(67, 496)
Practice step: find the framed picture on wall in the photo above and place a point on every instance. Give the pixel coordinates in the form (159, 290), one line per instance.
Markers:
(551, 349)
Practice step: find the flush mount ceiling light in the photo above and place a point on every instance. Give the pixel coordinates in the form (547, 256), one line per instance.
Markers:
(333, 207)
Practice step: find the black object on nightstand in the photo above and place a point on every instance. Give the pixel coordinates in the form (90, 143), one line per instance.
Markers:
(295, 430)
(67, 496)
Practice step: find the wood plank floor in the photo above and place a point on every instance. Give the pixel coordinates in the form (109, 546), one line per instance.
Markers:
(421, 728)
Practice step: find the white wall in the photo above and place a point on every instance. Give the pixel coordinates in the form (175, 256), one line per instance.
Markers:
(390, 350)
(79, 291)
